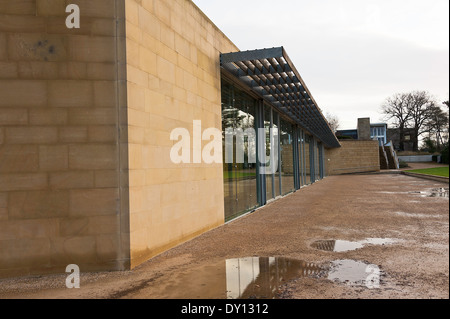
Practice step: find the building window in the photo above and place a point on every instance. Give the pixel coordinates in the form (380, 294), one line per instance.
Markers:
(240, 177)
(292, 158)
(308, 161)
(270, 181)
(287, 158)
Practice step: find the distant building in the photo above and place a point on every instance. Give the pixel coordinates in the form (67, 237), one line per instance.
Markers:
(378, 131)
(347, 134)
(393, 134)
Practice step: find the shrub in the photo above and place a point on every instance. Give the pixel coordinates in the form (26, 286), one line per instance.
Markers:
(403, 164)
(445, 159)
(343, 137)
(429, 146)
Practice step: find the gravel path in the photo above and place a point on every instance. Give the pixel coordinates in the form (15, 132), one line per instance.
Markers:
(347, 208)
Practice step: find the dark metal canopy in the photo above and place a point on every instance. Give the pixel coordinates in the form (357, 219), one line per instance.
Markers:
(271, 74)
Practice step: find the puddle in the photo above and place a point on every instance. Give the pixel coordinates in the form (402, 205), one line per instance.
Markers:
(433, 193)
(412, 215)
(339, 246)
(392, 192)
(243, 278)
(355, 273)
(251, 278)
(379, 241)
(336, 245)
(437, 192)
(261, 278)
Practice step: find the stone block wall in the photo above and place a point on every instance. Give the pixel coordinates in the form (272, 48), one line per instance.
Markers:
(59, 138)
(85, 121)
(353, 157)
(173, 78)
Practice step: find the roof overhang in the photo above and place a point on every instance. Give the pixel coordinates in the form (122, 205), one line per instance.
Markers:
(272, 75)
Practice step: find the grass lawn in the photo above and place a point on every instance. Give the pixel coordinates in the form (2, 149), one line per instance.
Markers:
(439, 171)
(229, 175)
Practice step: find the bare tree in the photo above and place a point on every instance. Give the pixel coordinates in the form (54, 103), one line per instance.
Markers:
(333, 120)
(409, 110)
(420, 105)
(446, 103)
(437, 126)
(396, 109)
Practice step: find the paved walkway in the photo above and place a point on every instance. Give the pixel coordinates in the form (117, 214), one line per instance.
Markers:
(414, 264)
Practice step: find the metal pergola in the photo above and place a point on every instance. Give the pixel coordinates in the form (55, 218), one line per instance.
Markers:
(272, 75)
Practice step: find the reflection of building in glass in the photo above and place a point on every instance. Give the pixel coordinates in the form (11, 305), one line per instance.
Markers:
(263, 85)
(262, 278)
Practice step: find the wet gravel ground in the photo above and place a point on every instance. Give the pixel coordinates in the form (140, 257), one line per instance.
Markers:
(346, 208)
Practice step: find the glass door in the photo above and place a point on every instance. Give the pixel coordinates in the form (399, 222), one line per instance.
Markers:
(287, 158)
(269, 149)
(239, 143)
(307, 157)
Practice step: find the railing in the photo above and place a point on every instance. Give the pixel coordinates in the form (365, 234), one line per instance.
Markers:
(394, 162)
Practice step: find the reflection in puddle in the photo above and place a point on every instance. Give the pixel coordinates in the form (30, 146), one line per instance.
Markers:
(343, 245)
(437, 192)
(262, 277)
(254, 278)
(433, 193)
(353, 273)
(244, 278)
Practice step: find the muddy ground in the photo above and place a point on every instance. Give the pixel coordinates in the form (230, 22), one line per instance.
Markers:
(350, 208)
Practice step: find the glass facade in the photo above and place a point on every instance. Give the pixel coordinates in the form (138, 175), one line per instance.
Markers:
(270, 179)
(307, 147)
(276, 150)
(239, 170)
(300, 153)
(287, 157)
(317, 153)
(265, 155)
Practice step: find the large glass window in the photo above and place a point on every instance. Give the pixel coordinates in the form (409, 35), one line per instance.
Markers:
(307, 157)
(277, 175)
(317, 153)
(287, 158)
(301, 159)
(269, 149)
(322, 161)
(292, 157)
(240, 184)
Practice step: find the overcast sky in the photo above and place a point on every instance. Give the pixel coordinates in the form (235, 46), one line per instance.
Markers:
(352, 54)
